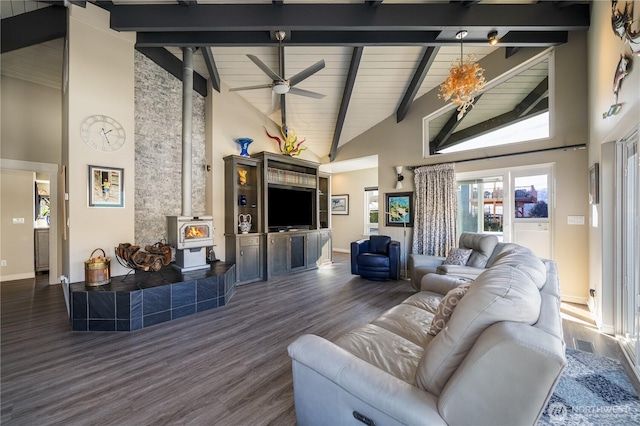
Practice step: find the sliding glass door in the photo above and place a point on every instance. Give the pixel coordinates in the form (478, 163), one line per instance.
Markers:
(630, 246)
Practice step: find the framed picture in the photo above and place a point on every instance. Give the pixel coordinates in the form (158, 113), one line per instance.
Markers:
(106, 187)
(398, 209)
(340, 204)
(594, 187)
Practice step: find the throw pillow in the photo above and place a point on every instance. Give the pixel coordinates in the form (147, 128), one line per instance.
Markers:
(446, 307)
(458, 256)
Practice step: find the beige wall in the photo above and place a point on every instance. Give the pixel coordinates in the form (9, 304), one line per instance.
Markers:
(348, 228)
(101, 81)
(401, 144)
(605, 49)
(16, 246)
(32, 121)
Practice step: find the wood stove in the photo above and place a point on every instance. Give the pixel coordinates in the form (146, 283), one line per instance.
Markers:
(190, 235)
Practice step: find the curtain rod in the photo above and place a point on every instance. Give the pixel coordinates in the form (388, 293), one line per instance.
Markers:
(491, 157)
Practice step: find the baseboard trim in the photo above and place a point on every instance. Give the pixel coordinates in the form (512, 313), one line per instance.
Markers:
(14, 277)
(574, 299)
(339, 250)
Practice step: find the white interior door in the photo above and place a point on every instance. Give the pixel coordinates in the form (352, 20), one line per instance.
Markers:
(532, 196)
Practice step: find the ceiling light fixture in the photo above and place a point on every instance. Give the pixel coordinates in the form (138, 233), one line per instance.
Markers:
(465, 80)
(493, 38)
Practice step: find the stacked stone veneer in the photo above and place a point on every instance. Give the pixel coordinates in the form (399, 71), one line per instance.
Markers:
(158, 151)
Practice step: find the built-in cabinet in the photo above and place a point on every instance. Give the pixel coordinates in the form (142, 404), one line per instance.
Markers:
(41, 249)
(273, 246)
(243, 204)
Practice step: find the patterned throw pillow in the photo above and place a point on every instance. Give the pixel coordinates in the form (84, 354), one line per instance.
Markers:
(446, 307)
(458, 256)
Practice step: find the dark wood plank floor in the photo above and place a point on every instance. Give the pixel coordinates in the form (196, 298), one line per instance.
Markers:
(225, 367)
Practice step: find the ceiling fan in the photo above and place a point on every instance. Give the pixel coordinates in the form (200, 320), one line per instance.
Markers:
(280, 85)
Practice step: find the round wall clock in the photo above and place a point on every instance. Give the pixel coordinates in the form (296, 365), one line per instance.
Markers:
(102, 133)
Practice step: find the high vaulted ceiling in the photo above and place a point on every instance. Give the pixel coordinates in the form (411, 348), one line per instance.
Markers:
(380, 55)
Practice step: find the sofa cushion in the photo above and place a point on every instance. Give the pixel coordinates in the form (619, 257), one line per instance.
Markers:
(383, 349)
(425, 300)
(370, 260)
(524, 260)
(407, 321)
(379, 244)
(482, 246)
(446, 308)
(502, 293)
(457, 256)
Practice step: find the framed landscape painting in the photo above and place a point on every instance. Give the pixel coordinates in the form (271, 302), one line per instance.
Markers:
(398, 209)
(340, 204)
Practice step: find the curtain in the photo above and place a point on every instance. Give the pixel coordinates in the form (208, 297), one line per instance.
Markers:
(436, 209)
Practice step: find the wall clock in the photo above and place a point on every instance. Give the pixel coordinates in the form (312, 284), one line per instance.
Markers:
(102, 133)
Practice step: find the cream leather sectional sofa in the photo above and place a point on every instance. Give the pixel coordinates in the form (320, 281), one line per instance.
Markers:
(495, 362)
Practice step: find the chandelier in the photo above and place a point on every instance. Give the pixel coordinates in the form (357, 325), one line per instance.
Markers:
(465, 81)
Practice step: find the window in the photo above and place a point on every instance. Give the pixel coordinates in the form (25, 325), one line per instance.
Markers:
(480, 205)
(371, 211)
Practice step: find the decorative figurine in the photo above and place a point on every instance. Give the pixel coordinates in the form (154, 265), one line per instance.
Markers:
(242, 176)
(244, 223)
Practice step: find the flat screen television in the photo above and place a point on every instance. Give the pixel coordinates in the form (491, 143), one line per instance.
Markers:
(290, 208)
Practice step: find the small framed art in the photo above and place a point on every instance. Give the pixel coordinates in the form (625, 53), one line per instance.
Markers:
(340, 204)
(106, 187)
(399, 209)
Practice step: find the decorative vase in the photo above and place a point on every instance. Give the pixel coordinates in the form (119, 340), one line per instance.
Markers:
(242, 200)
(242, 176)
(244, 144)
(244, 223)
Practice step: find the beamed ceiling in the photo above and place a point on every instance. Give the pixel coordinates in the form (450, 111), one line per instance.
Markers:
(379, 55)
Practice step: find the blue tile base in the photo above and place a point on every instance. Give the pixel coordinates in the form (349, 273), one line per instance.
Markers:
(144, 299)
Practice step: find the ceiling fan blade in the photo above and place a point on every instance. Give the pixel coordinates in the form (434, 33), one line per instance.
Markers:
(260, 86)
(308, 93)
(265, 69)
(275, 102)
(306, 73)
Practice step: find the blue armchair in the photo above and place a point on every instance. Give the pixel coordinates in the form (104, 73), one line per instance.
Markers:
(377, 258)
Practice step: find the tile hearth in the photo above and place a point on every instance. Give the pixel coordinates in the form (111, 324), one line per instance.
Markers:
(143, 299)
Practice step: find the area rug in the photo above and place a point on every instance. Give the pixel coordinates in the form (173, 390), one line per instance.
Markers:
(592, 390)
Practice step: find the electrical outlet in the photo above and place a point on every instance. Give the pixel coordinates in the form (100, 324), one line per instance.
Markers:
(3, 262)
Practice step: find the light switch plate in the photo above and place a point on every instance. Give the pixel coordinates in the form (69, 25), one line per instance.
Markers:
(575, 220)
(18, 220)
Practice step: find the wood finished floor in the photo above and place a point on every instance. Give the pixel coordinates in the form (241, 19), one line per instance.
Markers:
(227, 366)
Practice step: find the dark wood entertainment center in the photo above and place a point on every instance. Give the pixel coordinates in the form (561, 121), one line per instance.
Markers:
(291, 234)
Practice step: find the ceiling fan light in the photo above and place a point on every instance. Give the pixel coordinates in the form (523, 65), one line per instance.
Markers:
(281, 88)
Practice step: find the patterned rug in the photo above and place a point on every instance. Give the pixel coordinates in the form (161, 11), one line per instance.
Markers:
(592, 390)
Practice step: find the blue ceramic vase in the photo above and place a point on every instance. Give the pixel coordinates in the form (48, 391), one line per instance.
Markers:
(244, 145)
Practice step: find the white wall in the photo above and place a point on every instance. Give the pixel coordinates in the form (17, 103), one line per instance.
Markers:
(348, 228)
(101, 81)
(605, 49)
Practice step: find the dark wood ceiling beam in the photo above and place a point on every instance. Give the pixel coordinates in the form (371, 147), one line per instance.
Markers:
(277, 2)
(338, 38)
(211, 67)
(531, 100)
(170, 63)
(416, 81)
(27, 29)
(358, 16)
(493, 124)
(346, 98)
(447, 130)
(510, 51)
(373, 3)
(465, 3)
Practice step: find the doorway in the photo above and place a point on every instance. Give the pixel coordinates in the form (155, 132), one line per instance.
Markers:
(515, 204)
(629, 245)
(52, 171)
